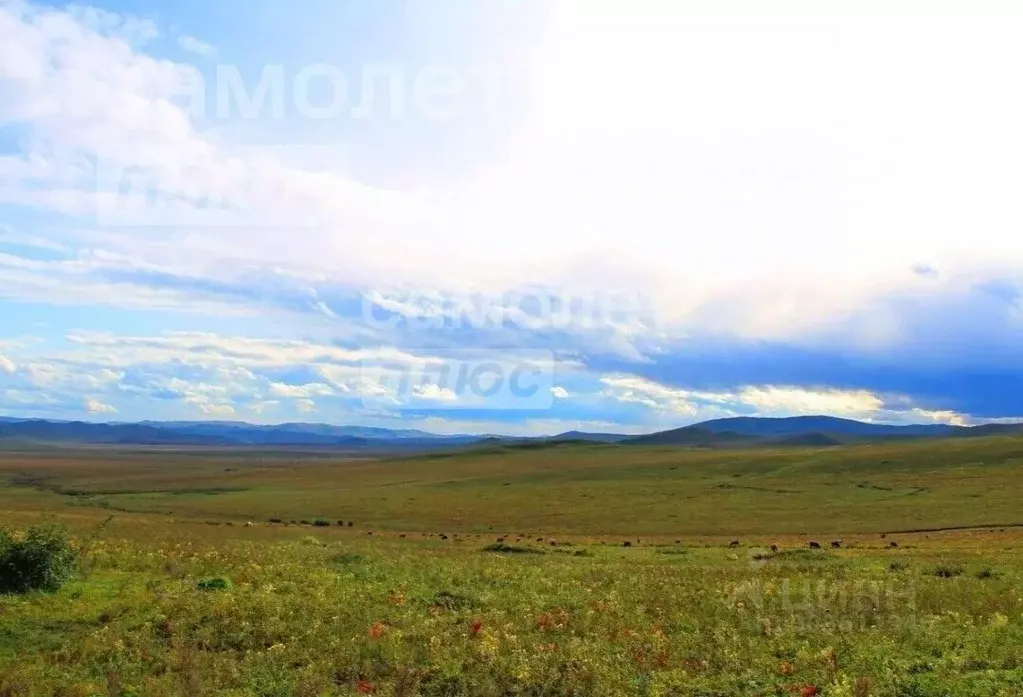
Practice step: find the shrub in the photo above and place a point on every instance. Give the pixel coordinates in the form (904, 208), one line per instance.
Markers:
(948, 571)
(345, 558)
(217, 583)
(40, 559)
(452, 601)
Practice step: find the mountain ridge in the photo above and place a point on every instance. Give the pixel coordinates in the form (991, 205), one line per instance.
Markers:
(808, 430)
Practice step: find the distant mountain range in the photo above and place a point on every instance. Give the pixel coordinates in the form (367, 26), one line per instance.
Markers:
(223, 433)
(817, 431)
(806, 430)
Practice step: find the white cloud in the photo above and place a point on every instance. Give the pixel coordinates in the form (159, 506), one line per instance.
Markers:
(720, 208)
(94, 406)
(222, 410)
(207, 348)
(278, 389)
(559, 392)
(434, 393)
(305, 406)
(7, 365)
(772, 159)
(197, 46)
(635, 390)
(771, 401)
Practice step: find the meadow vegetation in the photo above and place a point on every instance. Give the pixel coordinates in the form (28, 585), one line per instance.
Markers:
(506, 572)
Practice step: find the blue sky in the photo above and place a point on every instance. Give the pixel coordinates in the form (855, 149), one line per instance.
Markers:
(650, 213)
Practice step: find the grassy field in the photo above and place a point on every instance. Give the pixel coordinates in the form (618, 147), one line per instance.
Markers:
(418, 597)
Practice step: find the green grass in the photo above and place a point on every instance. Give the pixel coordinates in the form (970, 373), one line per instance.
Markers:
(167, 604)
(567, 490)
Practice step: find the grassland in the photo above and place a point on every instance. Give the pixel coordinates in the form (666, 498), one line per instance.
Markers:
(409, 601)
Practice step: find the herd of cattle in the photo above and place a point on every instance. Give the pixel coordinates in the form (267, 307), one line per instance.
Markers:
(812, 544)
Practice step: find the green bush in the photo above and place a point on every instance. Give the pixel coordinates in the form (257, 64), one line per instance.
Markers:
(40, 559)
(217, 583)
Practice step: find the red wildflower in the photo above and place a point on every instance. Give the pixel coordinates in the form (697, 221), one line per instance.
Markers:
(377, 630)
(365, 687)
(476, 626)
(808, 691)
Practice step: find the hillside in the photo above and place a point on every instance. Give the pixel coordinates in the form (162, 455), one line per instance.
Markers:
(807, 430)
(556, 488)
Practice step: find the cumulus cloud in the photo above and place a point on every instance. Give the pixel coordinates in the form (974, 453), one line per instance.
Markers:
(434, 393)
(559, 392)
(94, 406)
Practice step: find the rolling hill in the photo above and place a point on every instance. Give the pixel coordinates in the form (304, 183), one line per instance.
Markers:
(807, 431)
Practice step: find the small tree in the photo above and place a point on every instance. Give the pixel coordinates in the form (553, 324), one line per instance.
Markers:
(40, 559)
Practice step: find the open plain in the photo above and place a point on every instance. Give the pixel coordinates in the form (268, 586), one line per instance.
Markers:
(540, 569)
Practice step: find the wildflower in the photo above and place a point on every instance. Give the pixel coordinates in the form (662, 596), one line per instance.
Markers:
(476, 626)
(786, 668)
(808, 690)
(377, 630)
(365, 687)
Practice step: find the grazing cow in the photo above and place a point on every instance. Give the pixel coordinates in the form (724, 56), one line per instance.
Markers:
(539, 539)
(500, 539)
(443, 536)
(554, 543)
(893, 544)
(249, 523)
(774, 548)
(350, 523)
(814, 545)
(402, 536)
(678, 542)
(626, 544)
(884, 535)
(836, 543)
(733, 544)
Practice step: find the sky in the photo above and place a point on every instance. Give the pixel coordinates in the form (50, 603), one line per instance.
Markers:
(510, 217)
